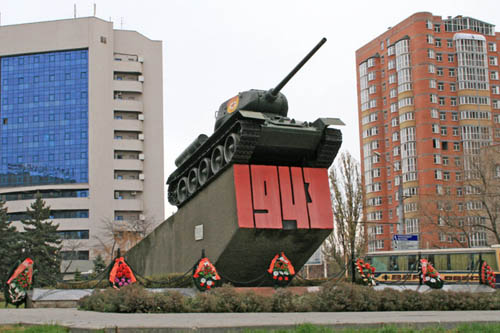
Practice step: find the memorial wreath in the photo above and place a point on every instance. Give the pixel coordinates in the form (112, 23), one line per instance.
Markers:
(366, 271)
(121, 274)
(281, 269)
(20, 281)
(205, 275)
(486, 275)
(429, 275)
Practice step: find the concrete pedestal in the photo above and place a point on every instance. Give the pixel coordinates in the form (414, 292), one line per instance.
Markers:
(242, 220)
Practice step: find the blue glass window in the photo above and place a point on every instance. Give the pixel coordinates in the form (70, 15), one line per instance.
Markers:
(48, 139)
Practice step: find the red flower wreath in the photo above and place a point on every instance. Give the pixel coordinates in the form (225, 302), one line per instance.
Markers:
(19, 283)
(486, 276)
(281, 269)
(205, 275)
(429, 275)
(121, 275)
(367, 272)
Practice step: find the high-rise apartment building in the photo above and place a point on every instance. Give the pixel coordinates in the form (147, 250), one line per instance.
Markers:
(81, 114)
(429, 99)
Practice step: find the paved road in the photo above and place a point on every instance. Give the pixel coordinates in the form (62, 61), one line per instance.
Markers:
(81, 321)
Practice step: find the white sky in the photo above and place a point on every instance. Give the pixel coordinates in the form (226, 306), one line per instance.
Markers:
(214, 49)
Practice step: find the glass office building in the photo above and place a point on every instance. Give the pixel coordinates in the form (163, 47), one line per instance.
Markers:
(44, 118)
(81, 124)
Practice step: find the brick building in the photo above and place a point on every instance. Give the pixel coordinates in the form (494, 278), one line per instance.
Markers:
(428, 101)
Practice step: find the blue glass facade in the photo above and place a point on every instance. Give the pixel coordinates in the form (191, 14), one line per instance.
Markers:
(44, 118)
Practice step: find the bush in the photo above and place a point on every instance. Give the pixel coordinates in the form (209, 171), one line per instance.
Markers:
(331, 298)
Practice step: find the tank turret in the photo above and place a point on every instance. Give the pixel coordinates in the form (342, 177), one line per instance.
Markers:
(270, 101)
(253, 128)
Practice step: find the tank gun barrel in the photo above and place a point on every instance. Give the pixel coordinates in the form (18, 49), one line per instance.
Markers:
(274, 91)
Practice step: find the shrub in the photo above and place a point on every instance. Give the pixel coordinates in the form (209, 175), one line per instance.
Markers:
(332, 297)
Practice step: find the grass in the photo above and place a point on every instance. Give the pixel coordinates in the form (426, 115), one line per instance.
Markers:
(463, 328)
(33, 329)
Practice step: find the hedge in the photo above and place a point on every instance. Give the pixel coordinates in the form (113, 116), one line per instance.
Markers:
(331, 298)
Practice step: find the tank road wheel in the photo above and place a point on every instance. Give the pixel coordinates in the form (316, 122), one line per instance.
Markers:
(203, 171)
(192, 183)
(217, 160)
(182, 190)
(230, 146)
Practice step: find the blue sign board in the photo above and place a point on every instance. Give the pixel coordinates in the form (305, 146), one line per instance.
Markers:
(408, 238)
(405, 242)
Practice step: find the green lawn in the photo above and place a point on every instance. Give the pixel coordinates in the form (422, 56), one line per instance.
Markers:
(465, 328)
(33, 329)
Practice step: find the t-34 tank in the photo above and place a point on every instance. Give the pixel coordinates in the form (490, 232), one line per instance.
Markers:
(253, 128)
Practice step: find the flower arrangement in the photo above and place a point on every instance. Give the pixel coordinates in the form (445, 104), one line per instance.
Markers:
(281, 269)
(121, 275)
(205, 275)
(429, 275)
(486, 275)
(367, 272)
(19, 283)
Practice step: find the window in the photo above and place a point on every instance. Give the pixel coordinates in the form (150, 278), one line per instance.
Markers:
(437, 27)
(440, 86)
(493, 60)
(438, 42)
(453, 87)
(434, 113)
(392, 78)
(449, 43)
(430, 39)
(431, 54)
(451, 72)
(492, 47)
(455, 131)
(439, 57)
(435, 128)
(432, 83)
(442, 115)
(445, 160)
(441, 100)
(437, 159)
(456, 146)
(432, 68)
(453, 101)
(444, 130)
(494, 75)
(440, 71)
(446, 175)
(451, 57)
(433, 98)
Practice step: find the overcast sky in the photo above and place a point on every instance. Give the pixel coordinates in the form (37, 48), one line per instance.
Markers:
(214, 49)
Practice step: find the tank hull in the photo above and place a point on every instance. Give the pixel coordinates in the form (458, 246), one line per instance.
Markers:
(262, 140)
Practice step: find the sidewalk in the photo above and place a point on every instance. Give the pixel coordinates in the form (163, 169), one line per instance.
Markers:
(82, 321)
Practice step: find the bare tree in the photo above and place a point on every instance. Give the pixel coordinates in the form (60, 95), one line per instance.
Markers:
(123, 234)
(348, 239)
(469, 212)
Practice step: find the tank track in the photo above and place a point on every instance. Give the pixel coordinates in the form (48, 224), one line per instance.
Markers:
(328, 148)
(249, 132)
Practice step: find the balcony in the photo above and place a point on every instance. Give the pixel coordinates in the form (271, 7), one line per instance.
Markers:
(128, 204)
(128, 125)
(133, 145)
(127, 105)
(132, 165)
(128, 185)
(126, 85)
(127, 67)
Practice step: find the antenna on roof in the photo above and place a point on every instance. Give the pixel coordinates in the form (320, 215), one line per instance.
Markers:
(95, 9)
(74, 10)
